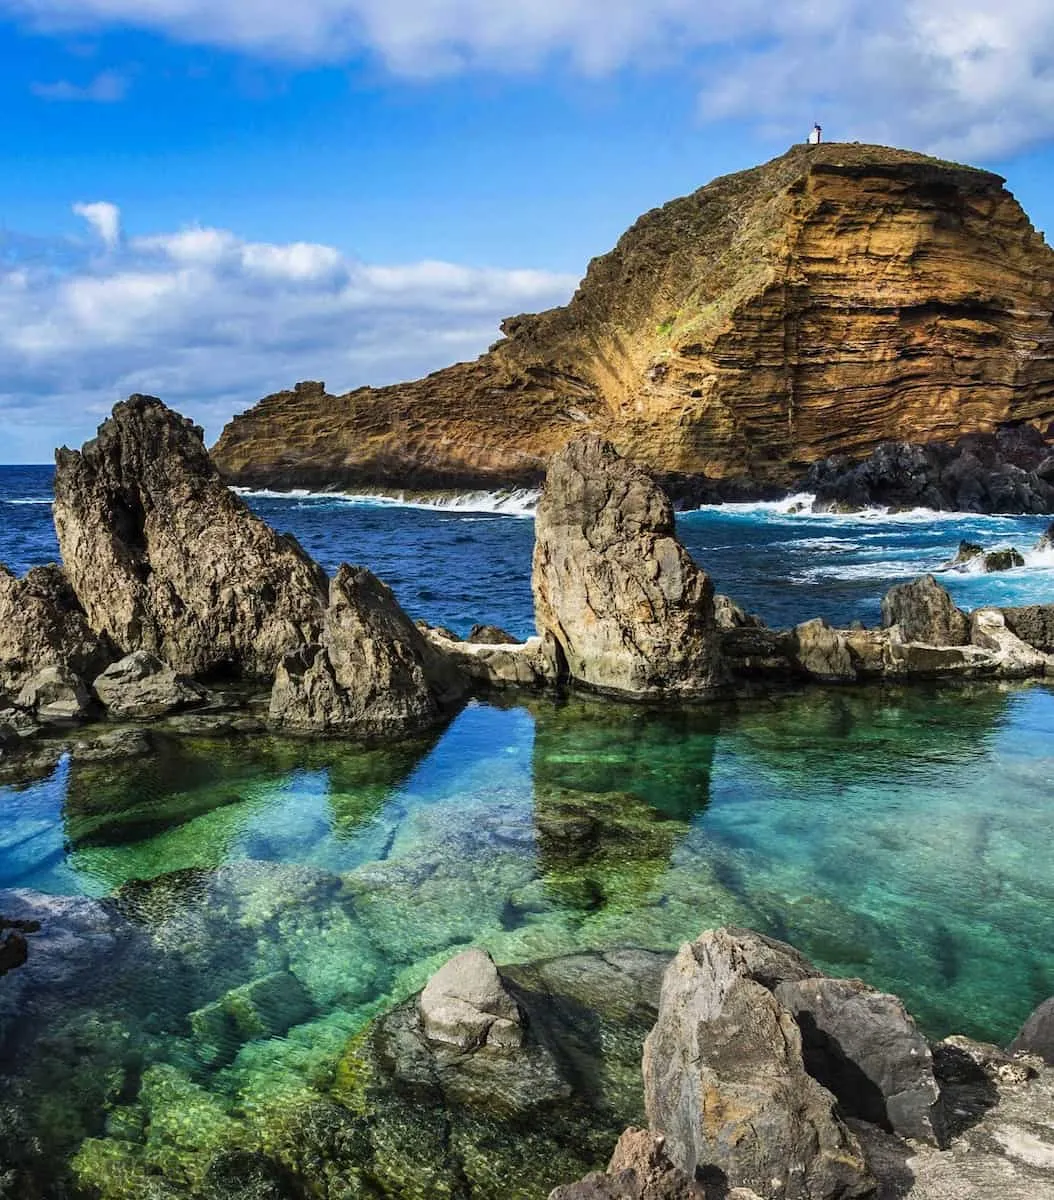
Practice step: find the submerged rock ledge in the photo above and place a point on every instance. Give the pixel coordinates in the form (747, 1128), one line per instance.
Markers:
(175, 596)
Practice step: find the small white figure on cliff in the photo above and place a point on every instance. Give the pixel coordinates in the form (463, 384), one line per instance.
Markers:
(816, 136)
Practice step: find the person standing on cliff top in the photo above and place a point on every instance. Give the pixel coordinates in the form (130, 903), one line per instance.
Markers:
(816, 136)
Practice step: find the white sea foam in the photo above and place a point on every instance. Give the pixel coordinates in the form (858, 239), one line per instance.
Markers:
(799, 506)
(510, 502)
(27, 501)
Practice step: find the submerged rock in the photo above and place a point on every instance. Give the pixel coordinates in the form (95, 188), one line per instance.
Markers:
(43, 625)
(925, 612)
(141, 686)
(165, 558)
(630, 611)
(372, 672)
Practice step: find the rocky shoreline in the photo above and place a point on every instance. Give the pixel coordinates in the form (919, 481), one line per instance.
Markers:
(175, 599)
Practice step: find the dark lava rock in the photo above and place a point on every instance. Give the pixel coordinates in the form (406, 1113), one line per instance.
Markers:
(1003, 560)
(1010, 471)
(491, 635)
(1034, 624)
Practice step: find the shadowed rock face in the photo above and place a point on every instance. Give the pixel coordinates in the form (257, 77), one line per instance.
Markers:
(43, 625)
(630, 611)
(165, 558)
(835, 298)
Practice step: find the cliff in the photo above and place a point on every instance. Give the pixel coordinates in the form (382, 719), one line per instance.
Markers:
(835, 298)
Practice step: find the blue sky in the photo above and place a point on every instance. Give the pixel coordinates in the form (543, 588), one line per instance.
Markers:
(209, 199)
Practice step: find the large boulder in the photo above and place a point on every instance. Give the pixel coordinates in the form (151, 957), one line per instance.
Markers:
(726, 1082)
(822, 652)
(630, 611)
(54, 695)
(165, 558)
(140, 686)
(371, 673)
(925, 612)
(466, 1005)
(1014, 657)
(863, 1046)
(43, 625)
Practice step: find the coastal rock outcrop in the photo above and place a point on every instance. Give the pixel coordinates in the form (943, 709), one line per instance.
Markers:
(1008, 471)
(371, 672)
(43, 625)
(165, 558)
(54, 695)
(619, 596)
(837, 298)
(640, 1169)
(925, 612)
(725, 1080)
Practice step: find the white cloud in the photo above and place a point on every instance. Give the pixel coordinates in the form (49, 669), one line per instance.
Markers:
(211, 322)
(956, 76)
(108, 87)
(104, 218)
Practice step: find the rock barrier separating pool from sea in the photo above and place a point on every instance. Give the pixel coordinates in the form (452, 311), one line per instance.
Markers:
(174, 597)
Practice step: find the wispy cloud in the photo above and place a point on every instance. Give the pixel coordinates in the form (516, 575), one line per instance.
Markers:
(211, 321)
(957, 76)
(108, 87)
(104, 218)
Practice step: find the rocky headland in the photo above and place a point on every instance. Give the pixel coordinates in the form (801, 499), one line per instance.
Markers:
(871, 318)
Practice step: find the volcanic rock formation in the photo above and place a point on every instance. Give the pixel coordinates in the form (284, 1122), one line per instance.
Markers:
(165, 558)
(836, 298)
(614, 589)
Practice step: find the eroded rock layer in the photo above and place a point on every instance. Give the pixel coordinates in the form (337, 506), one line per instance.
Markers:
(833, 299)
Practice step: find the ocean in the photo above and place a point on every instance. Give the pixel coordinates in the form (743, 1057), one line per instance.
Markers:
(891, 833)
(469, 560)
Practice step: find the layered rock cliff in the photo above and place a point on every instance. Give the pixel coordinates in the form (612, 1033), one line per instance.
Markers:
(835, 298)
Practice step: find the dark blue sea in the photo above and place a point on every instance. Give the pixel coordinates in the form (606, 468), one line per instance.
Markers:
(470, 559)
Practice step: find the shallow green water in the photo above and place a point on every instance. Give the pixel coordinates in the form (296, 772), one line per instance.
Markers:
(902, 836)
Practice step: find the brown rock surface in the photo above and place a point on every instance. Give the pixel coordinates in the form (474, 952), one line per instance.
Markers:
(832, 299)
(725, 1080)
(372, 673)
(43, 625)
(165, 558)
(630, 611)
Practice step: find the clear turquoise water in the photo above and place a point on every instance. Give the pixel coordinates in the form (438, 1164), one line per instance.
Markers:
(898, 835)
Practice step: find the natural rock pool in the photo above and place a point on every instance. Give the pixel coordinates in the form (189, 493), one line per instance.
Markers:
(264, 899)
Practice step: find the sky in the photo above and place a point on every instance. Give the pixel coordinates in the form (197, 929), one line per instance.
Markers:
(208, 200)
